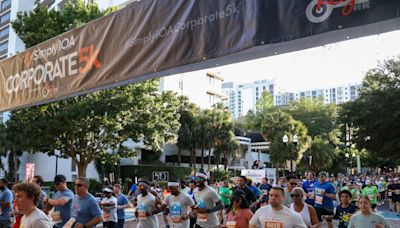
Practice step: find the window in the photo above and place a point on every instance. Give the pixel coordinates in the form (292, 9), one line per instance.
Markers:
(5, 18)
(271, 87)
(3, 48)
(73, 166)
(264, 88)
(5, 4)
(4, 32)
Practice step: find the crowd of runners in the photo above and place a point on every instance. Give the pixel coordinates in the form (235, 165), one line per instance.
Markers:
(291, 201)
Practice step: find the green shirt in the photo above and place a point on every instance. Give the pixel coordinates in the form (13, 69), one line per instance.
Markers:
(222, 192)
(360, 220)
(372, 193)
(355, 194)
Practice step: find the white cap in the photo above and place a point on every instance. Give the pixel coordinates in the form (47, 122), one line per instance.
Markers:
(367, 182)
(108, 190)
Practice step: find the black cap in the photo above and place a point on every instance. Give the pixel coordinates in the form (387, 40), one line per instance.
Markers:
(238, 193)
(59, 179)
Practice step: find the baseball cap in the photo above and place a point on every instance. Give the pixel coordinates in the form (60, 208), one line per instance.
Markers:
(324, 174)
(107, 190)
(367, 182)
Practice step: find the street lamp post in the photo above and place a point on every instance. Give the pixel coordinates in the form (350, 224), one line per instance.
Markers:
(285, 140)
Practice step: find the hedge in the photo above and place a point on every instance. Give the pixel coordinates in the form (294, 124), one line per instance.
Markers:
(174, 172)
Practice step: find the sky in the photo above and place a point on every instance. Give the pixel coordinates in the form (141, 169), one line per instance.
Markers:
(329, 65)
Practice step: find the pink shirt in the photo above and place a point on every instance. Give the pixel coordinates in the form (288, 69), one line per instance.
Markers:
(242, 218)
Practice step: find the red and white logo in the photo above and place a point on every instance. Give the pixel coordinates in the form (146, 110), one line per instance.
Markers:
(319, 11)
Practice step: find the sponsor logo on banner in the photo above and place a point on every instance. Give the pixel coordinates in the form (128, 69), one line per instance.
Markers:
(319, 11)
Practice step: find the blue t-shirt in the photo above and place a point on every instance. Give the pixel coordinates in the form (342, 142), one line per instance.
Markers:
(321, 200)
(344, 215)
(6, 196)
(84, 209)
(65, 211)
(255, 191)
(42, 195)
(133, 188)
(122, 200)
(308, 186)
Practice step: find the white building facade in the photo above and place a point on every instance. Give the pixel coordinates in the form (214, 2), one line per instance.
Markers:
(241, 98)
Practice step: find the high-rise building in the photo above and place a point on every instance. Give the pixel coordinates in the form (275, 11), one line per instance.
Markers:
(242, 97)
(202, 88)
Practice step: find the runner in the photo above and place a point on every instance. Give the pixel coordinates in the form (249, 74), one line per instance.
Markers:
(276, 214)
(123, 203)
(240, 214)
(306, 211)
(208, 203)
(28, 196)
(309, 187)
(394, 192)
(366, 218)
(109, 205)
(371, 192)
(345, 210)
(146, 206)
(178, 203)
(325, 193)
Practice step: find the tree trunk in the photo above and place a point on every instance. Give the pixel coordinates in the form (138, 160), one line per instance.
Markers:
(226, 160)
(82, 169)
(16, 165)
(202, 158)
(209, 159)
(179, 155)
(193, 157)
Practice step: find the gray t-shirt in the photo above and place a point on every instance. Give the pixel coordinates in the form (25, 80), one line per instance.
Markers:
(207, 198)
(146, 204)
(36, 219)
(366, 221)
(178, 207)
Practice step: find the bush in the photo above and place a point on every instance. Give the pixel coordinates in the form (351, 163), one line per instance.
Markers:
(174, 172)
(220, 175)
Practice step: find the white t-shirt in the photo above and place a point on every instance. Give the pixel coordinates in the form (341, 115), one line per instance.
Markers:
(36, 219)
(178, 207)
(207, 198)
(266, 217)
(110, 212)
(146, 204)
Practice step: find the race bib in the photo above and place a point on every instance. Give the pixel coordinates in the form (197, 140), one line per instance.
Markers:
(371, 197)
(142, 212)
(106, 215)
(202, 217)
(176, 213)
(389, 193)
(231, 224)
(56, 217)
(273, 224)
(70, 223)
(312, 196)
(319, 199)
(397, 191)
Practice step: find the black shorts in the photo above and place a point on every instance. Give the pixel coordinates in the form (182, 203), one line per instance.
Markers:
(396, 199)
(322, 211)
(373, 206)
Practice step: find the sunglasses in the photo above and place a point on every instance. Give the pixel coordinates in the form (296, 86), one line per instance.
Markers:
(294, 195)
(199, 179)
(79, 185)
(293, 184)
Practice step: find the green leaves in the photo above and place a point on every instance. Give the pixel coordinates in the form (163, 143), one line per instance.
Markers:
(375, 114)
(41, 24)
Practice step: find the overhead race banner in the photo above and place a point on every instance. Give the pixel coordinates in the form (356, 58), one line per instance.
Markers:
(153, 36)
